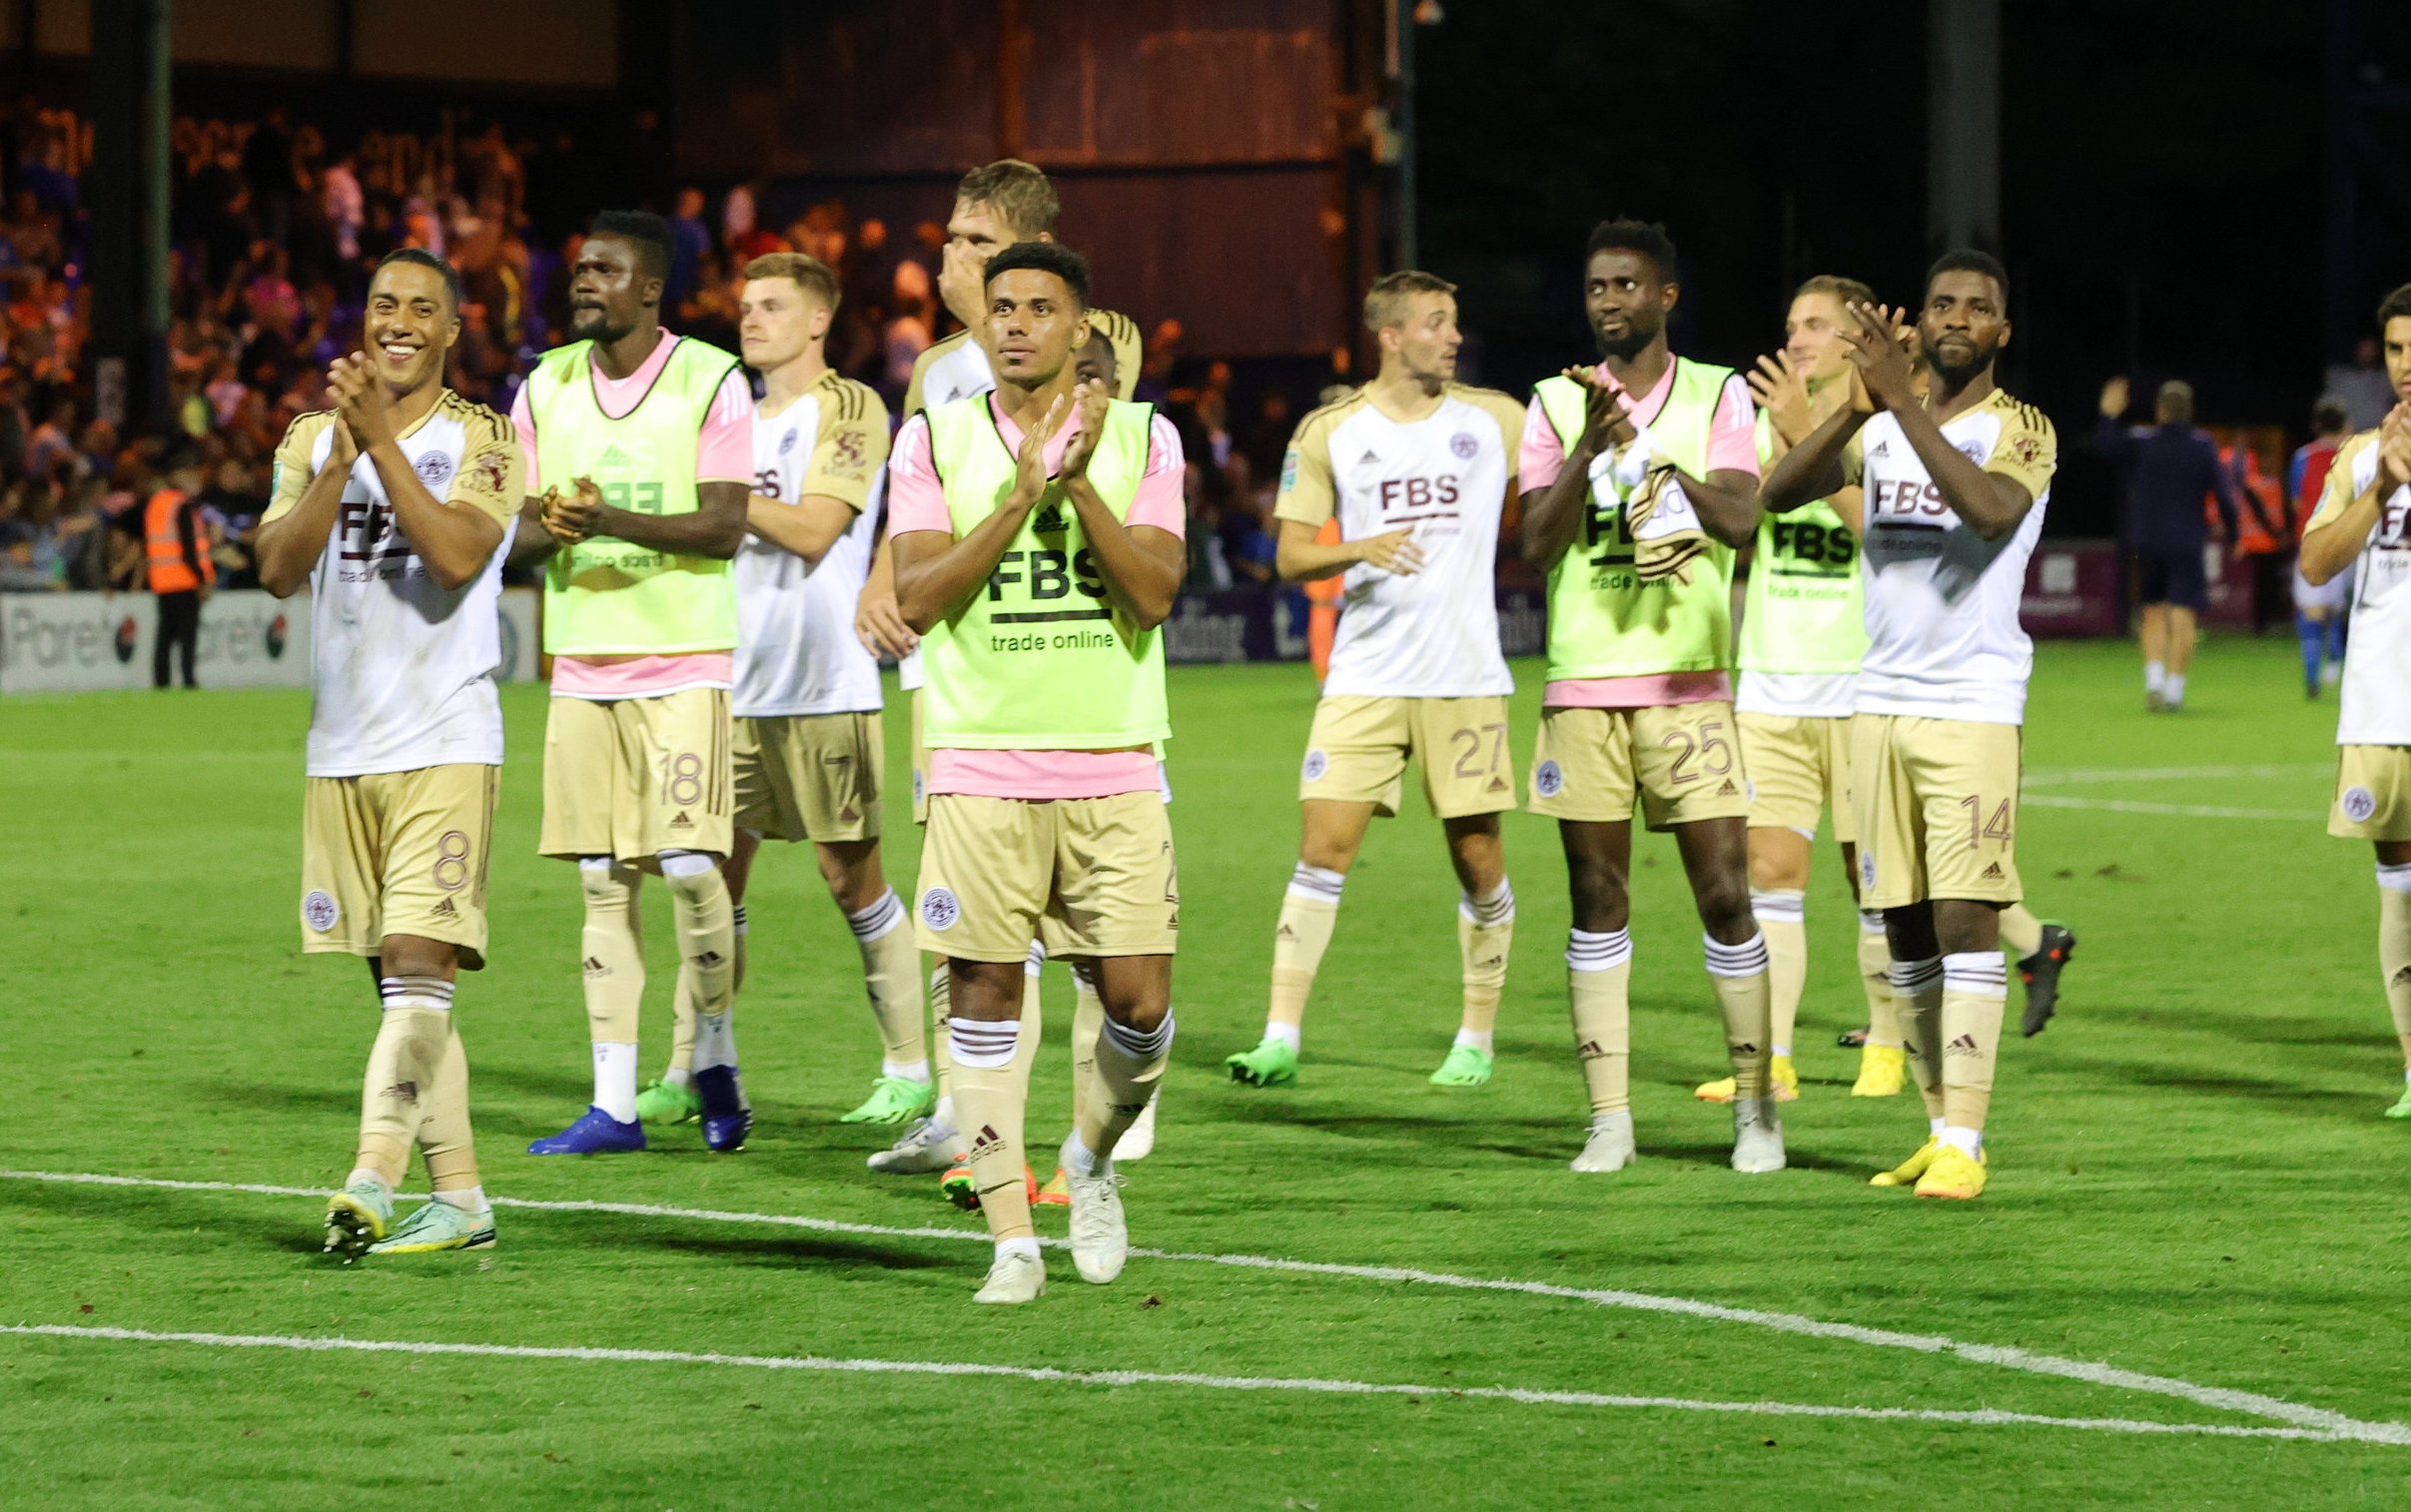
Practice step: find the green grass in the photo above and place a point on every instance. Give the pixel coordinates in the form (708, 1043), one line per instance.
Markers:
(2190, 1175)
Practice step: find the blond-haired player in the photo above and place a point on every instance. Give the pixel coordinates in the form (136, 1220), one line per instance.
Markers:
(2365, 517)
(807, 746)
(394, 507)
(997, 205)
(1418, 470)
(1954, 489)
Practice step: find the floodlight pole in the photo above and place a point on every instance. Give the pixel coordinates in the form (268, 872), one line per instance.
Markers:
(129, 187)
(1962, 116)
(1402, 65)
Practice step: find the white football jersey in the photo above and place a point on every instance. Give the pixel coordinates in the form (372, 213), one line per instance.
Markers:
(1432, 633)
(401, 670)
(1943, 635)
(2376, 703)
(796, 649)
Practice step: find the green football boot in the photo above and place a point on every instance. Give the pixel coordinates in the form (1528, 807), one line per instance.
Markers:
(2402, 1109)
(894, 1100)
(660, 1102)
(1268, 1065)
(439, 1226)
(1466, 1066)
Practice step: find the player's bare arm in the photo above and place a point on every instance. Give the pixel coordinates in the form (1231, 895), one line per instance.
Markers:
(1140, 565)
(715, 528)
(1991, 505)
(1299, 558)
(2329, 547)
(878, 621)
(1812, 469)
(808, 527)
(289, 545)
(453, 544)
(532, 539)
(936, 571)
(1552, 517)
(1727, 501)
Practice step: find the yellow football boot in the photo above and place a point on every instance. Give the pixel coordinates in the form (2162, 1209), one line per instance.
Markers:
(1953, 1175)
(1908, 1170)
(1780, 1074)
(1883, 1069)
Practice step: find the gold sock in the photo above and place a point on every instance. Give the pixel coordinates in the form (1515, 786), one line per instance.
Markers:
(1088, 1022)
(1917, 1005)
(613, 937)
(444, 1133)
(1485, 931)
(1599, 986)
(1310, 911)
(1874, 975)
(891, 973)
(1744, 994)
(2394, 951)
(1127, 1065)
(1975, 993)
(941, 1043)
(1783, 919)
(991, 1098)
(401, 1079)
(2020, 931)
(707, 936)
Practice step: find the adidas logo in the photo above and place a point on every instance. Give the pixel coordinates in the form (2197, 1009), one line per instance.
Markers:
(708, 960)
(1049, 520)
(987, 1139)
(848, 814)
(1728, 790)
(1369, 459)
(1964, 1045)
(1744, 1049)
(2402, 977)
(445, 910)
(1589, 1049)
(1287, 933)
(612, 457)
(403, 1091)
(1882, 448)
(1498, 784)
(1489, 961)
(1992, 873)
(595, 968)
(682, 821)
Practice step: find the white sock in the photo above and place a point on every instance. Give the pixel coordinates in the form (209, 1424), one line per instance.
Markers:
(1026, 1246)
(615, 1080)
(909, 1070)
(1969, 1140)
(944, 1114)
(715, 1042)
(678, 1078)
(468, 1198)
(1781, 1052)
(1482, 1041)
(984, 1045)
(2177, 687)
(1287, 1033)
(1933, 1127)
(2156, 676)
(1079, 1159)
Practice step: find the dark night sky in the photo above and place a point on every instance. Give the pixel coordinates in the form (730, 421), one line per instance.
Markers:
(2161, 193)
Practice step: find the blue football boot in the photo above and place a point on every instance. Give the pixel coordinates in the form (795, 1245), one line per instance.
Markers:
(726, 1119)
(595, 1134)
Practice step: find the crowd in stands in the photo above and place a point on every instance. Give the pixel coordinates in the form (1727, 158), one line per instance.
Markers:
(275, 229)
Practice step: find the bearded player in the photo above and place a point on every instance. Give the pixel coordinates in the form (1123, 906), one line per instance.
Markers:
(1418, 470)
(394, 507)
(1954, 490)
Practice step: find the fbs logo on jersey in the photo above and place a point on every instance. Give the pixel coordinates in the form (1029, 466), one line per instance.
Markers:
(318, 910)
(1548, 780)
(2359, 804)
(939, 909)
(434, 469)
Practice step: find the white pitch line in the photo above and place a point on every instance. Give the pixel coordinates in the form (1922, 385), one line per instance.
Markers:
(2316, 1420)
(2262, 773)
(2178, 810)
(1981, 1418)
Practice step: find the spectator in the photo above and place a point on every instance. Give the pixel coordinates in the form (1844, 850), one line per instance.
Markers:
(53, 441)
(690, 243)
(2171, 467)
(344, 208)
(2319, 614)
(2360, 387)
(910, 329)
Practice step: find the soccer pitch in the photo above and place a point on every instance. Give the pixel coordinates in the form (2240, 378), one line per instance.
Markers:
(2185, 1287)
